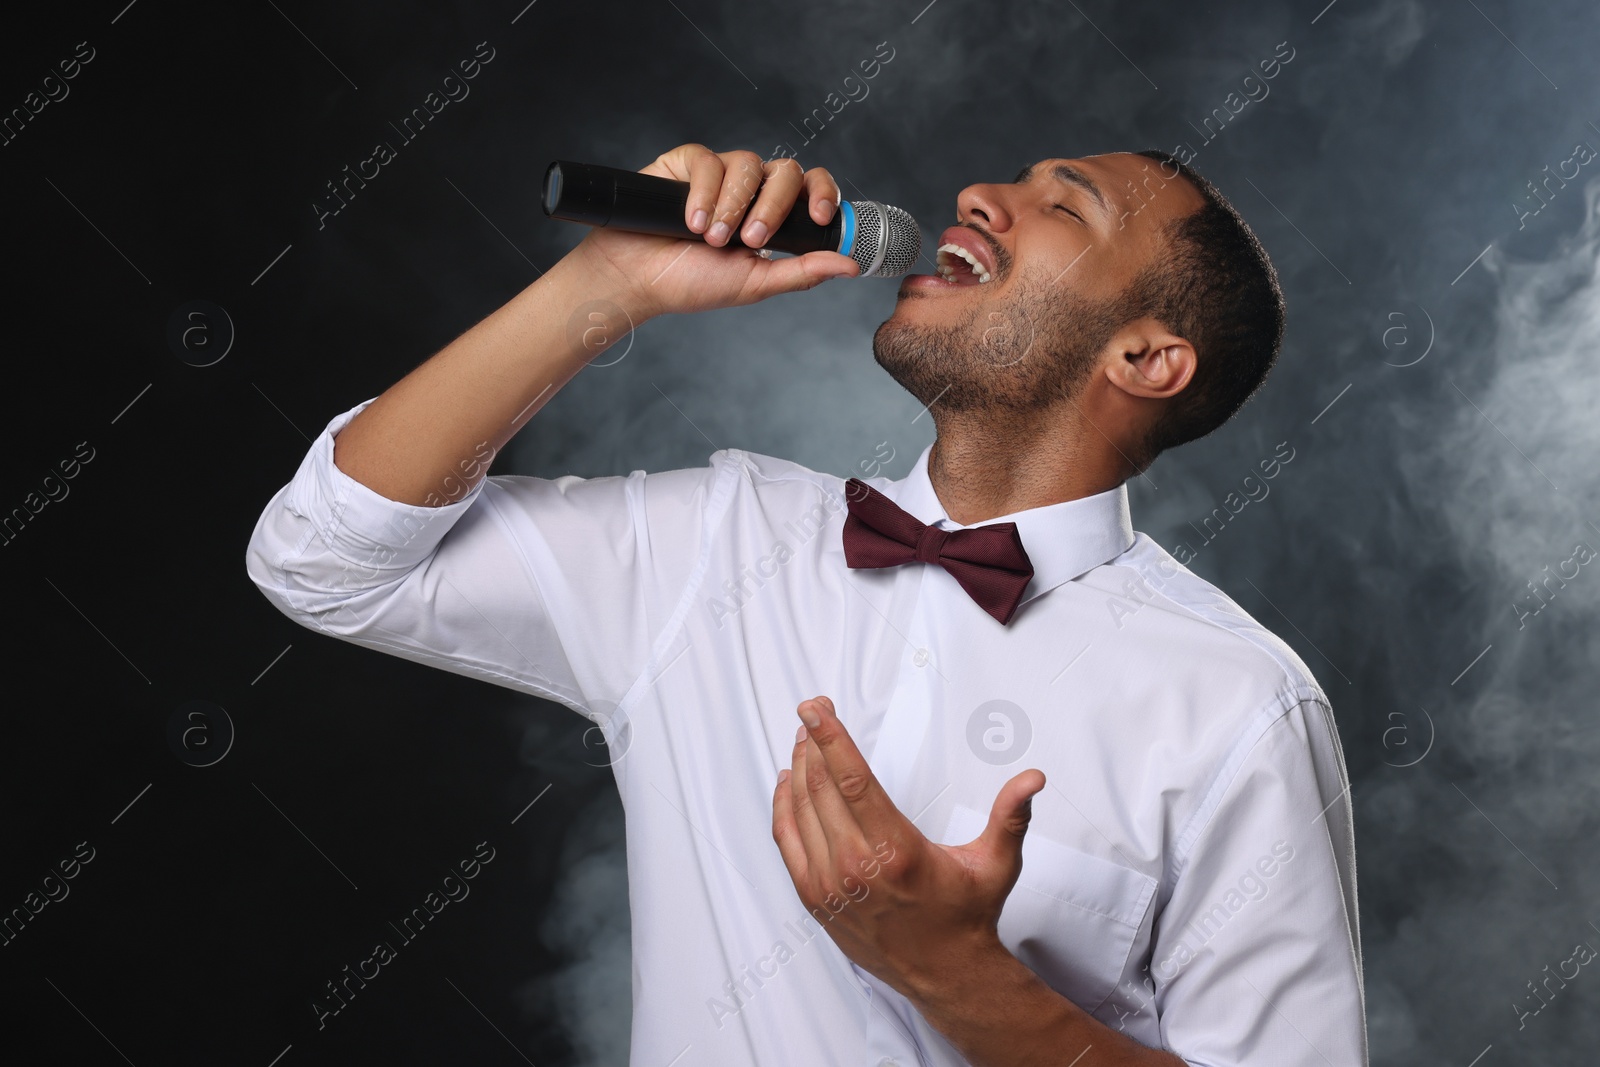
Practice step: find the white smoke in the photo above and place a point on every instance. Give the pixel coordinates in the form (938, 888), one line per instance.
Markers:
(1512, 480)
(588, 925)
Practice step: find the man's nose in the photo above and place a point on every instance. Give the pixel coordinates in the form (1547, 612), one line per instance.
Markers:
(986, 206)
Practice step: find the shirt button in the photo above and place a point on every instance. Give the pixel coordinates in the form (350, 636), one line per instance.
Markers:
(888, 1062)
(921, 660)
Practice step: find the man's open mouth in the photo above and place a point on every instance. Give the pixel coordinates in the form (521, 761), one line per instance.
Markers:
(962, 259)
(959, 267)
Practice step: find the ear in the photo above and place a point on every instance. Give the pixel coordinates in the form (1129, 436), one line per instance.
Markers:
(1148, 360)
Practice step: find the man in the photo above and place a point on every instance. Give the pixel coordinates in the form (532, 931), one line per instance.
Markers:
(1052, 798)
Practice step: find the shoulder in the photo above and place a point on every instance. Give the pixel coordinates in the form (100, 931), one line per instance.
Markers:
(732, 482)
(1255, 708)
(774, 471)
(762, 485)
(1204, 633)
(699, 483)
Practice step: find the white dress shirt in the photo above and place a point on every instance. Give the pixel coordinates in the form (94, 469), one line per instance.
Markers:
(1189, 874)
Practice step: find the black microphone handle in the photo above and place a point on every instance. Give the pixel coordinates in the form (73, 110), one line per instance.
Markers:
(644, 203)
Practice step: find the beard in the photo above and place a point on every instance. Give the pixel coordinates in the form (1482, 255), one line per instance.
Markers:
(1034, 351)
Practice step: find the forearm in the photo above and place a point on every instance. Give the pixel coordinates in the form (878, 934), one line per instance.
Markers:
(428, 439)
(998, 1013)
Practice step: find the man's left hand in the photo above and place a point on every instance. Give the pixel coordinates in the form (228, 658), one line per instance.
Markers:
(906, 909)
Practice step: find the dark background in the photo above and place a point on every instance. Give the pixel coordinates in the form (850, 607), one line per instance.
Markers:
(1383, 170)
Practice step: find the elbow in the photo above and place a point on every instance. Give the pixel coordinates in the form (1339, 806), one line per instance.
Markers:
(316, 589)
(317, 603)
(278, 584)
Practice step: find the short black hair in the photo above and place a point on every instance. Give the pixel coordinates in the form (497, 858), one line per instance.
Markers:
(1215, 286)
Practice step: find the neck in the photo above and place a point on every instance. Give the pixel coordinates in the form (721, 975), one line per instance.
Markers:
(991, 463)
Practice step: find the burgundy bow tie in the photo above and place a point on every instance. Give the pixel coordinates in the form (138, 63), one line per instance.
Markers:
(988, 561)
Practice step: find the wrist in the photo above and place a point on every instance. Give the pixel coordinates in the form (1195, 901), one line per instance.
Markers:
(988, 1000)
(977, 963)
(591, 274)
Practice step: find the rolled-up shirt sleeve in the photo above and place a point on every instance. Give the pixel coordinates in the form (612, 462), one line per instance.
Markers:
(555, 587)
(1257, 959)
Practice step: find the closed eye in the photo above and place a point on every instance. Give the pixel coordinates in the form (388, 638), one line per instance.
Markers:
(1069, 211)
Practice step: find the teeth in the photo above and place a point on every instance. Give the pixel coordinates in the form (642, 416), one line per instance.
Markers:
(947, 270)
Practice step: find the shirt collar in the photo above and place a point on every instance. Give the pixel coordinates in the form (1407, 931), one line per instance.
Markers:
(1063, 540)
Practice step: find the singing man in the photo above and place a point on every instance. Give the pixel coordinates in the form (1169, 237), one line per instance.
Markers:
(951, 769)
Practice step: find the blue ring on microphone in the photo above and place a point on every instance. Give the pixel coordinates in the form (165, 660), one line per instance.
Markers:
(847, 226)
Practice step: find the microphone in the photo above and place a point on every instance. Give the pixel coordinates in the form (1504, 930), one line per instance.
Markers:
(884, 241)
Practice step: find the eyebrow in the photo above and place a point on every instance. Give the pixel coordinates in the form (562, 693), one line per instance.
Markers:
(1066, 172)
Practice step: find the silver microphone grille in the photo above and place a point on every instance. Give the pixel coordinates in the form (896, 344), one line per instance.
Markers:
(887, 241)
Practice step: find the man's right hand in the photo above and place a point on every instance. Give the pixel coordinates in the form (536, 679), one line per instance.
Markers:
(728, 192)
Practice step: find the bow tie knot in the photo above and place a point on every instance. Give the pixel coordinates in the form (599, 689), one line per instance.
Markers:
(930, 543)
(988, 561)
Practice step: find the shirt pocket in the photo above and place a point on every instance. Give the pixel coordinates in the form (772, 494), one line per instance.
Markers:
(1072, 917)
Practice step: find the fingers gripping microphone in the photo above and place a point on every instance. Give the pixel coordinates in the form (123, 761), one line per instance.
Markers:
(884, 241)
